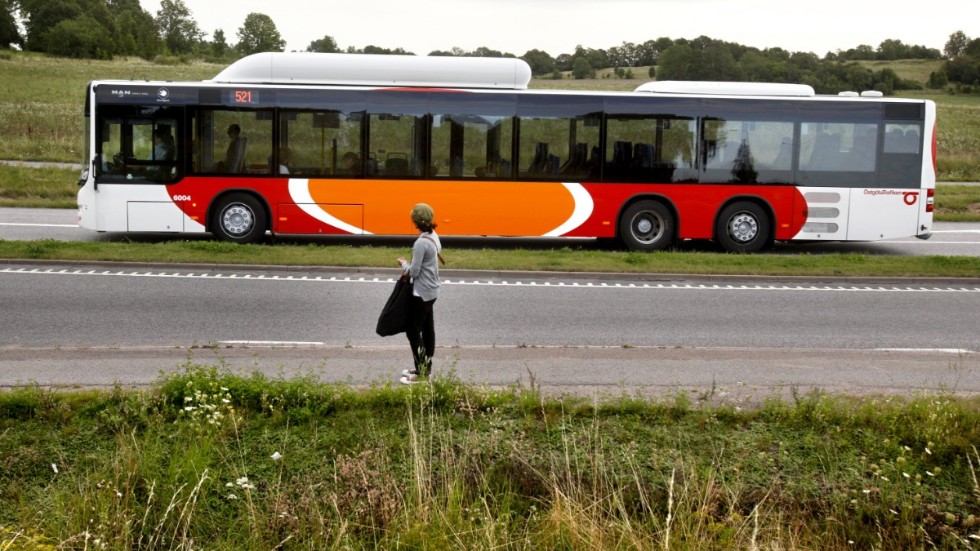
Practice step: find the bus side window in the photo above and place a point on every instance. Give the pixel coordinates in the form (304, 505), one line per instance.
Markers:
(233, 141)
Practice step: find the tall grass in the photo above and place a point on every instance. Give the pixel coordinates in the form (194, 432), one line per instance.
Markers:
(211, 460)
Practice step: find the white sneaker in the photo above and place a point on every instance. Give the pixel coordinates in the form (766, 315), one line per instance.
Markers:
(410, 373)
(409, 380)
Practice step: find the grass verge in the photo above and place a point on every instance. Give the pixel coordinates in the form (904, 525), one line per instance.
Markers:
(208, 459)
(560, 260)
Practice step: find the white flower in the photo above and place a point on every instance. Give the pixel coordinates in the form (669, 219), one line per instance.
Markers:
(54, 468)
(276, 456)
(232, 497)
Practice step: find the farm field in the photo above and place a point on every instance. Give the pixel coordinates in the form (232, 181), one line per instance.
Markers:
(42, 99)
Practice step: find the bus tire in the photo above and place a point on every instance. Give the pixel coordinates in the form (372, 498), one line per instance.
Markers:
(239, 218)
(743, 227)
(647, 226)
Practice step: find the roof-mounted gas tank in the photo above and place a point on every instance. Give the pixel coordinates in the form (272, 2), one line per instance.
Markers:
(377, 70)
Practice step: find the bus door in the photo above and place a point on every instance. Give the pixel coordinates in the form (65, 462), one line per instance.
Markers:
(138, 152)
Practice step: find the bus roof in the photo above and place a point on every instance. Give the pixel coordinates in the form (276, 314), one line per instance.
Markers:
(377, 70)
(727, 88)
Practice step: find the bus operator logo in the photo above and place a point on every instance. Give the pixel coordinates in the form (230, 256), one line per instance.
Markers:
(909, 197)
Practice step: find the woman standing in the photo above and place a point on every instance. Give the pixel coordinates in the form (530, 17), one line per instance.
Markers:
(424, 273)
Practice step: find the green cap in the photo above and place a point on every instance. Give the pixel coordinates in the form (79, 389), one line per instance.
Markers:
(422, 214)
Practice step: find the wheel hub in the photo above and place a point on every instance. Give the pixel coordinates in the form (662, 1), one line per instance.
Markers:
(744, 227)
(237, 219)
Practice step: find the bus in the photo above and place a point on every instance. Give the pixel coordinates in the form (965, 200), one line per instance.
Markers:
(345, 144)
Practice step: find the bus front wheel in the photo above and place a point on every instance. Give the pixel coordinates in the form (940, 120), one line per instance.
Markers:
(239, 218)
(647, 226)
(742, 227)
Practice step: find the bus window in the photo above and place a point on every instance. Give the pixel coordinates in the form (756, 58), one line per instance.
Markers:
(471, 146)
(834, 154)
(748, 152)
(649, 149)
(902, 138)
(395, 145)
(321, 143)
(137, 144)
(560, 148)
(232, 142)
(901, 154)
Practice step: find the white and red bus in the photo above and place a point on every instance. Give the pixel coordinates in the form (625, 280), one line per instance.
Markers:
(319, 144)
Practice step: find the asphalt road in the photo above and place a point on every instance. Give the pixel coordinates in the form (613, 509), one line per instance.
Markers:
(720, 338)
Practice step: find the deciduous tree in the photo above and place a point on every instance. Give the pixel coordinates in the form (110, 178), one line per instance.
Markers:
(178, 29)
(9, 33)
(259, 34)
(325, 45)
(955, 45)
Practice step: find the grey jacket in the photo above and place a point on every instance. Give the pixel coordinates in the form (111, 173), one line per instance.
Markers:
(424, 268)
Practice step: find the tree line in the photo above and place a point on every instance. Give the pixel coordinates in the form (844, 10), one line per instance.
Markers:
(102, 29)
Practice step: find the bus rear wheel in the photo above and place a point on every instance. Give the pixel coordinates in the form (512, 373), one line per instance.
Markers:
(743, 227)
(239, 218)
(647, 226)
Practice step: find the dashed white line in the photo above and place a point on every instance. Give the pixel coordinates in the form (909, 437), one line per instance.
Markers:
(271, 344)
(248, 277)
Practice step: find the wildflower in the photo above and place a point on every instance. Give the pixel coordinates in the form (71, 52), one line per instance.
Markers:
(232, 497)
(54, 468)
(276, 456)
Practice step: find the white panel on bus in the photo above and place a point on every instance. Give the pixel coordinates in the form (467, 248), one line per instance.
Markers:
(110, 204)
(162, 217)
(727, 88)
(377, 70)
(827, 213)
(878, 213)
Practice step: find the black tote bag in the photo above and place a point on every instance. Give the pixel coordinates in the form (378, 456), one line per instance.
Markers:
(394, 316)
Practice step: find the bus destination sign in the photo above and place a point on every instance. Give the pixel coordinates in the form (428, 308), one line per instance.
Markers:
(244, 97)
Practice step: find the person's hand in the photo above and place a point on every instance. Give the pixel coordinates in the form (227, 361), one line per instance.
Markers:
(400, 261)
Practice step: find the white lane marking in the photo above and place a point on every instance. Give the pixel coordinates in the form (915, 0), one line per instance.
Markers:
(272, 344)
(26, 225)
(938, 350)
(571, 284)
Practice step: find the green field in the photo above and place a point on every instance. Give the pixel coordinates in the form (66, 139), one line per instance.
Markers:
(41, 102)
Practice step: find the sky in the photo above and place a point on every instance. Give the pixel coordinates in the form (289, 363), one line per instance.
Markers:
(558, 26)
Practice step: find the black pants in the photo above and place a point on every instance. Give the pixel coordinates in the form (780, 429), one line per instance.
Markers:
(422, 334)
